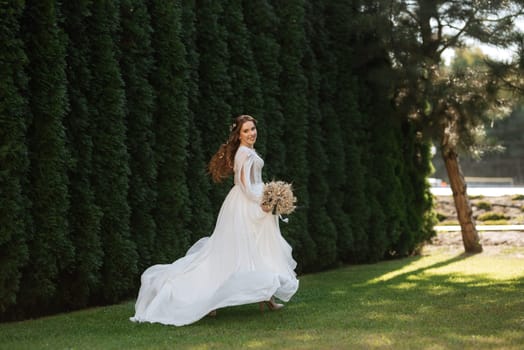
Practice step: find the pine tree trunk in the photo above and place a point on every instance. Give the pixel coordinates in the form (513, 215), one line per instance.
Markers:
(470, 236)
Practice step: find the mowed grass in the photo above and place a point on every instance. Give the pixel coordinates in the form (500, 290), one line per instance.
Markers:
(437, 301)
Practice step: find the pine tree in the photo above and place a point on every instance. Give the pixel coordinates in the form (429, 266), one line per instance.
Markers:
(50, 248)
(110, 156)
(136, 64)
(451, 107)
(201, 219)
(84, 216)
(293, 86)
(14, 161)
(213, 116)
(262, 24)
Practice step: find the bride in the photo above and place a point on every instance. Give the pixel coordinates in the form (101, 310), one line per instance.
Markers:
(245, 260)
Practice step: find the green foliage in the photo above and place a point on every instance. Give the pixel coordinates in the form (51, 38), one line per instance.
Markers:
(172, 134)
(246, 96)
(449, 223)
(202, 217)
(517, 197)
(387, 188)
(111, 177)
(476, 197)
(262, 24)
(110, 156)
(418, 198)
(14, 161)
(440, 216)
(451, 107)
(136, 64)
(382, 156)
(503, 157)
(213, 114)
(492, 216)
(332, 134)
(483, 205)
(495, 222)
(83, 279)
(321, 226)
(293, 99)
(51, 251)
(465, 58)
(351, 124)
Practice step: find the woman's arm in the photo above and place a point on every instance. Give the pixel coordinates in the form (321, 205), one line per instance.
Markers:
(245, 163)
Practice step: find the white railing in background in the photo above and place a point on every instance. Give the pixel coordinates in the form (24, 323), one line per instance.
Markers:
(477, 191)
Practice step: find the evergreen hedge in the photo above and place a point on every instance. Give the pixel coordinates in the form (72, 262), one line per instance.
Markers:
(171, 129)
(84, 279)
(51, 251)
(136, 64)
(201, 216)
(111, 168)
(110, 111)
(15, 221)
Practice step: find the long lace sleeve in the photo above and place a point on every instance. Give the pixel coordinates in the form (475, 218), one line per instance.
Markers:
(246, 174)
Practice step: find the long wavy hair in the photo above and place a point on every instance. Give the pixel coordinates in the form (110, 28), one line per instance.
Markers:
(221, 164)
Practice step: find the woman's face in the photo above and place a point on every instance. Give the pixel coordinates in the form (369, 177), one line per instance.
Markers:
(248, 134)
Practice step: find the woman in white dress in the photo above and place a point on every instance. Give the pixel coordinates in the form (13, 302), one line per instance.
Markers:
(245, 260)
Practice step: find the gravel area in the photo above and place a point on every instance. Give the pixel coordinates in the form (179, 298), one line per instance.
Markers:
(493, 242)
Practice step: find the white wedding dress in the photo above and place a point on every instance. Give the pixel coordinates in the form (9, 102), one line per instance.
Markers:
(245, 260)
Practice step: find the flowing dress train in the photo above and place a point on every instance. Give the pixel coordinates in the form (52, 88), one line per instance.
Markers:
(245, 260)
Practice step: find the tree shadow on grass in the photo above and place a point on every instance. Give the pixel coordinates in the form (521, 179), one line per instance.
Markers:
(397, 307)
(413, 309)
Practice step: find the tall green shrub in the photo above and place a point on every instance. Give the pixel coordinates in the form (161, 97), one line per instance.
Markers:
(355, 204)
(293, 98)
(418, 198)
(83, 280)
(136, 63)
(110, 155)
(246, 97)
(323, 46)
(51, 251)
(171, 126)
(262, 24)
(387, 215)
(385, 163)
(201, 220)
(380, 150)
(321, 226)
(14, 161)
(355, 201)
(213, 115)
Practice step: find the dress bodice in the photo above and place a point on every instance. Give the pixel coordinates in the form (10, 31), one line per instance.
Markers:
(248, 172)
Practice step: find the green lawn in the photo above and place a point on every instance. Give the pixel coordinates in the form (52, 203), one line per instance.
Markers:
(438, 301)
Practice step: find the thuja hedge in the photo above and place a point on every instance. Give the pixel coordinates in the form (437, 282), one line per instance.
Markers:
(111, 109)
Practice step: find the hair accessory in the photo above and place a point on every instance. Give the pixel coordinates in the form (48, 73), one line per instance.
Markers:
(232, 127)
